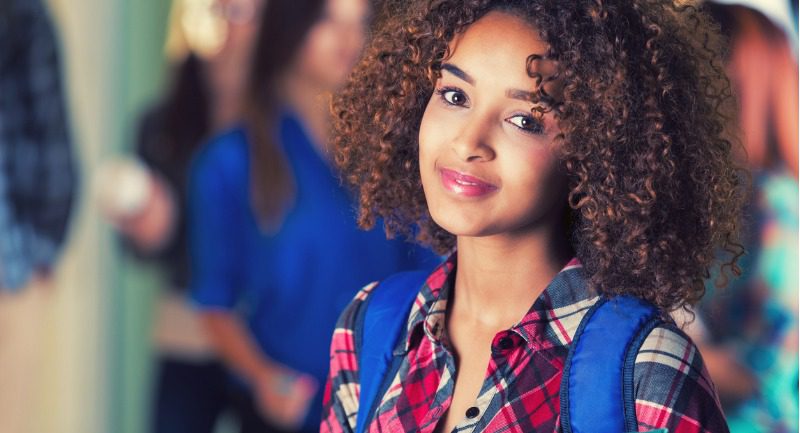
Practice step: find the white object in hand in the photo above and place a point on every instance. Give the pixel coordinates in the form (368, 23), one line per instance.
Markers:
(123, 187)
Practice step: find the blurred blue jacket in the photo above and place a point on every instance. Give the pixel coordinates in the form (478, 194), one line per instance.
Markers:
(291, 286)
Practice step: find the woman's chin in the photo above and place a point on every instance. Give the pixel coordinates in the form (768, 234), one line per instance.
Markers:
(463, 225)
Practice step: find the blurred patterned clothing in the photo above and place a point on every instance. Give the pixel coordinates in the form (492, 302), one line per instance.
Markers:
(37, 176)
(756, 317)
(521, 388)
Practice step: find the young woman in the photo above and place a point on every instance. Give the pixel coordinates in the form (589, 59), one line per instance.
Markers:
(276, 253)
(564, 152)
(203, 97)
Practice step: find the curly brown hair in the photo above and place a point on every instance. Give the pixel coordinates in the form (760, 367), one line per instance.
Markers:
(654, 190)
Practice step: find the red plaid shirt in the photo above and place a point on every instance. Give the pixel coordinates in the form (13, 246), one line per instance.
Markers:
(520, 392)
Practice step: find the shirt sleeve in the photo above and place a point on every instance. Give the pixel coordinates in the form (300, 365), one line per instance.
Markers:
(672, 387)
(340, 401)
(37, 169)
(49, 151)
(215, 242)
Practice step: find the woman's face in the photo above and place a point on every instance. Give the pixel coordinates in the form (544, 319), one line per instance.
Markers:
(241, 18)
(334, 43)
(488, 165)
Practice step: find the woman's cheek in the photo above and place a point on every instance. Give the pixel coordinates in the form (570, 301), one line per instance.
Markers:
(431, 128)
(533, 156)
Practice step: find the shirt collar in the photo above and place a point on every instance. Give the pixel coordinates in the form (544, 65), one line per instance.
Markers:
(427, 312)
(551, 321)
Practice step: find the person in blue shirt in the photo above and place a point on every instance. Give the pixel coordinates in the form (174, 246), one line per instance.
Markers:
(276, 254)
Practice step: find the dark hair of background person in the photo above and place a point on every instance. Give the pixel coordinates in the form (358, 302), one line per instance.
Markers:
(187, 114)
(284, 27)
(169, 135)
(654, 189)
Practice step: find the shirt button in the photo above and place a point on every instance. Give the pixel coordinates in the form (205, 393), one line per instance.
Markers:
(506, 343)
(472, 412)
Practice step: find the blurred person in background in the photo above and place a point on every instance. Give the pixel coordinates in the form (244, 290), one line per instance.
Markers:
(209, 44)
(37, 173)
(748, 333)
(276, 253)
(37, 193)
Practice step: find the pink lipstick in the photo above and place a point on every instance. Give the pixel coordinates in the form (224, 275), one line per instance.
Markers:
(465, 185)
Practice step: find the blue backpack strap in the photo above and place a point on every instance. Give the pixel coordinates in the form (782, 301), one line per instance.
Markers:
(597, 394)
(376, 335)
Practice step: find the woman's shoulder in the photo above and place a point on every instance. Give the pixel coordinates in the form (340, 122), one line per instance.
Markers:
(343, 380)
(226, 151)
(672, 386)
(668, 349)
(349, 318)
(394, 297)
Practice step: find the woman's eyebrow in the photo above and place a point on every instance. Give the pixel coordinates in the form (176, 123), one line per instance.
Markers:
(455, 70)
(523, 95)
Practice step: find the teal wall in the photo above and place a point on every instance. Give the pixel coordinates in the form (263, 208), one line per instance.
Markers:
(98, 346)
(142, 73)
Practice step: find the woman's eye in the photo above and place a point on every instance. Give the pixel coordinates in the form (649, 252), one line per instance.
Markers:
(453, 97)
(527, 124)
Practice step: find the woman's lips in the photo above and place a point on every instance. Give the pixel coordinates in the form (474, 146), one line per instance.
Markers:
(465, 185)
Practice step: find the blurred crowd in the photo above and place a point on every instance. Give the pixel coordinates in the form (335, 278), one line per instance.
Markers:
(229, 188)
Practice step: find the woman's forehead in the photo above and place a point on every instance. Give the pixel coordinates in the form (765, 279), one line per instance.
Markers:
(499, 31)
(501, 46)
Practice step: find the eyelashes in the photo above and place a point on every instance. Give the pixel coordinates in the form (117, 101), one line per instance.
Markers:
(452, 96)
(525, 122)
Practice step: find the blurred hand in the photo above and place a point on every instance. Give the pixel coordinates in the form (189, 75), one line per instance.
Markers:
(137, 201)
(284, 396)
(149, 223)
(152, 226)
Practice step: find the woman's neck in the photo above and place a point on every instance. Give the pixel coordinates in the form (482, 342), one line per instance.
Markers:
(310, 102)
(499, 277)
(225, 85)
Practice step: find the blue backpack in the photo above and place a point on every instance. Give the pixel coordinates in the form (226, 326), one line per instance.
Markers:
(600, 360)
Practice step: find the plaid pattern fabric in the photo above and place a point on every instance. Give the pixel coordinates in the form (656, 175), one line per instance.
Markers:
(37, 176)
(521, 388)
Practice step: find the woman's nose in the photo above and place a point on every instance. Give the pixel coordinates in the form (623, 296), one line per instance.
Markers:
(471, 143)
